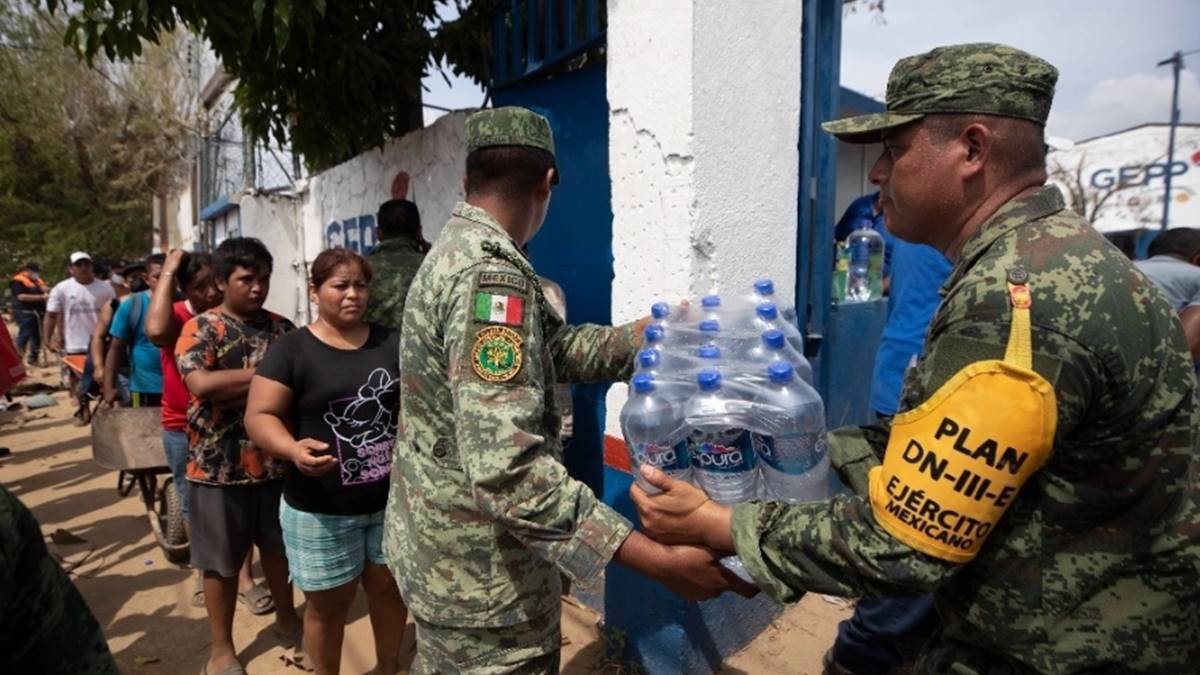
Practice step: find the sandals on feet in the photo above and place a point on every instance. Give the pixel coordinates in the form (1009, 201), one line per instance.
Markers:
(258, 600)
(197, 599)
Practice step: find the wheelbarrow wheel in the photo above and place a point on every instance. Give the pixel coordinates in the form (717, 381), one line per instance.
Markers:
(170, 512)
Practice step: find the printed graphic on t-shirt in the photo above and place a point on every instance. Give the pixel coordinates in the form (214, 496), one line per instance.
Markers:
(365, 428)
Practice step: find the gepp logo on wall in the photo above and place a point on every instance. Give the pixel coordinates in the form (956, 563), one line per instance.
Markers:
(1141, 174)
(358, 233)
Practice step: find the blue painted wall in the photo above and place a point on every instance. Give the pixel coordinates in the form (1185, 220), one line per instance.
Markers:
(574, 247)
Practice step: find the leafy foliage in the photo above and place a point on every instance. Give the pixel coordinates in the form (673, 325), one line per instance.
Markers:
(333, 78)
(82, 150)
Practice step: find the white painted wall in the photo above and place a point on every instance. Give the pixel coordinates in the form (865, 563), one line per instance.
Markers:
(337, 207)
(1141, 152)
(853, 165)
(339, 204)
(704, 120)
(272, 219)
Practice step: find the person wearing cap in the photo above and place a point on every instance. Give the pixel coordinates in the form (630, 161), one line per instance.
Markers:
(395, 260)
(482, 519)
(1041, 477)
(29, 293)
(71, 313)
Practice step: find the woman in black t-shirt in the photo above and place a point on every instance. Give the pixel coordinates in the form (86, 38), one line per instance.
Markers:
(326, 398)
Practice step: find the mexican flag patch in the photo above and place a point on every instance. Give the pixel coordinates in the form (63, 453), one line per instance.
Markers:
(503, 309)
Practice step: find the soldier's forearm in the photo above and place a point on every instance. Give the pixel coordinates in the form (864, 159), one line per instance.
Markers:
(594, 353)
(833, 546)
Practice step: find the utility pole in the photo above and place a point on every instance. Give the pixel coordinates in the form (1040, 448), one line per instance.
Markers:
(1176, 62)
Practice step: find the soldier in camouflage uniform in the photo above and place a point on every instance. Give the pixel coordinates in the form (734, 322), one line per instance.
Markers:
(482, 519)
(395, 260)
(1041, 478)
(45, 625)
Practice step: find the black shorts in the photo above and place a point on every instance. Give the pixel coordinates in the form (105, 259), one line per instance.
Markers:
(226, 520)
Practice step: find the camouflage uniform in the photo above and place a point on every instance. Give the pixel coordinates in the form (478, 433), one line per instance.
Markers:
(1096, 565)
(395, 262)
(45, 625)
(482, 517)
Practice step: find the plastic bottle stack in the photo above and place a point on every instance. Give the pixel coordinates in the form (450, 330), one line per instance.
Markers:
(726, 378)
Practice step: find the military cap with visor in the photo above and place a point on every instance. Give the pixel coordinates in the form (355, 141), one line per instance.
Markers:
(980, 78)
(510, 126)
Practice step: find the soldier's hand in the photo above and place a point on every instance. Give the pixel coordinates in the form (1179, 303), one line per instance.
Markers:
(310, 457)
(695, 573)
(639, 330)
(680, 514)
(639, 326)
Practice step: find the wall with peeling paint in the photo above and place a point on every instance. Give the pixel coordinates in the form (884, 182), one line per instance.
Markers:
(704, 118)
(337, 207)
(340, 203)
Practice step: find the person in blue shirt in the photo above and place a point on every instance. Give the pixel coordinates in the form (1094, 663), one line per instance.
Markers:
(128, 332)
(885, 633)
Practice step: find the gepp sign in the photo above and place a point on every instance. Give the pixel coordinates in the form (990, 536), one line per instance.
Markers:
(1139, 174)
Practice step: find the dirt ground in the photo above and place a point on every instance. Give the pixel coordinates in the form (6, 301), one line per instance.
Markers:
(141, 599)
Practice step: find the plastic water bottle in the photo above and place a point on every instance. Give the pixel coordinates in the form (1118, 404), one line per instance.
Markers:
(766, 316)
(660, 315)
(792, 455)
(649, 361)
(722, 455)
(653, 337)
(654, 432)
(660, 312)
(764, 290)
(710, 307)
(709, 352)
(864, 276)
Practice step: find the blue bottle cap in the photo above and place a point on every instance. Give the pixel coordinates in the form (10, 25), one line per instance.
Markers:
(773, 338)
(660, 310)
(648, 358)
(643, 383)
(765, 287)
(710, 301)
(710, 326)
(709, 379)
(781, 372)
(653, 334)
(709, 352)
(766, 311)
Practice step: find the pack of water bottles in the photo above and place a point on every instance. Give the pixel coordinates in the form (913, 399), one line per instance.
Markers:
(722, 397)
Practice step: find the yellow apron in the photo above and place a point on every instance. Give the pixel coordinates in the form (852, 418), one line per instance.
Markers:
(955, 463)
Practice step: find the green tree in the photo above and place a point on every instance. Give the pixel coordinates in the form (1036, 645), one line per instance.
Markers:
(331, 78)
(82, 149)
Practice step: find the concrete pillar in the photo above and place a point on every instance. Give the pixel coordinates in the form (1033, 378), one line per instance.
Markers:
(704, 118)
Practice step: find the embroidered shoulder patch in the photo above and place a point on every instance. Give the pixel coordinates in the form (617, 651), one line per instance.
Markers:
(503, 309)
(506, 279)
(496, 356)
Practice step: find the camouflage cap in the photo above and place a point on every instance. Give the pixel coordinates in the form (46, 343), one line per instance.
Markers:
(510, 125)
(981, 77)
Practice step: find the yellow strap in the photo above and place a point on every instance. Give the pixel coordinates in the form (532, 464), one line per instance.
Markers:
(1020, 340)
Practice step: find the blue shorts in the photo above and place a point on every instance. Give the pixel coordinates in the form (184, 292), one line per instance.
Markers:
(175, 443)
(325, 551)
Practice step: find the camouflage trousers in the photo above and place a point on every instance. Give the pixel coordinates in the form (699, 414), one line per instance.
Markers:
(45, 625)
(531, 648)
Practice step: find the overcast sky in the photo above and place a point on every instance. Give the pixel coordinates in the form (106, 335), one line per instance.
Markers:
(1105, 50)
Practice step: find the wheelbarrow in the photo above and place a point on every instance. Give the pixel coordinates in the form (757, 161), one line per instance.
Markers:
(129, 441)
